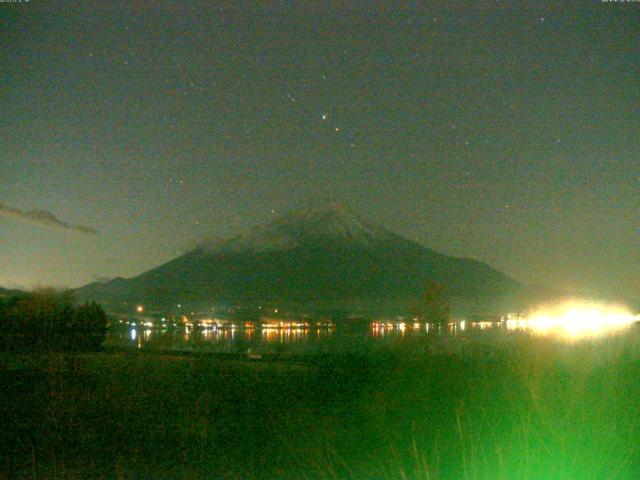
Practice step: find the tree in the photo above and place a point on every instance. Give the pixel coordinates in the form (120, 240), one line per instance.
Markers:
(89, 327)
(49, 320)
(433, 306)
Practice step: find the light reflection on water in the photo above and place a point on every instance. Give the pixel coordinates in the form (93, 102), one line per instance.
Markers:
(216, 339)
(349, 337)
(323, 339)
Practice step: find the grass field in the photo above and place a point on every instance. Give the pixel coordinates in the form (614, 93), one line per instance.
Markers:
(534, 409)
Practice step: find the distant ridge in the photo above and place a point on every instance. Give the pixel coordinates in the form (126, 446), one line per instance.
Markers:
(317, 258)
(8, 293)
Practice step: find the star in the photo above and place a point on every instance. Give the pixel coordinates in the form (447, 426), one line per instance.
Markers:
(324, 116)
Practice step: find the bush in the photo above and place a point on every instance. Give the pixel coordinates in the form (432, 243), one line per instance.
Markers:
(47, 320)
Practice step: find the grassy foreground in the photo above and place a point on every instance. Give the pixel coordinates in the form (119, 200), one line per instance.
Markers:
(533, 410)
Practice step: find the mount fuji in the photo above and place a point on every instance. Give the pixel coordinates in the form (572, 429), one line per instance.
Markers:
(313, 259)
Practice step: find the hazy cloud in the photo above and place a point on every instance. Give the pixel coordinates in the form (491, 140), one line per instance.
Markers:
(100, 278)
(44, 218)
(7, 283)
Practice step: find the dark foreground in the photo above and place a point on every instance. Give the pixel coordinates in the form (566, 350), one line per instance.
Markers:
(536, 410)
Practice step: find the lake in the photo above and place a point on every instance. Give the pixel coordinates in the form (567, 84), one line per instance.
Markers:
(455, 337)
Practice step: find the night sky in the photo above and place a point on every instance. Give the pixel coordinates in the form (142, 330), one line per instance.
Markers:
(503, 131)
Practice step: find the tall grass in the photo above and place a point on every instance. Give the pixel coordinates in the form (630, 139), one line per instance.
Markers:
(539, 409)
(526, 409)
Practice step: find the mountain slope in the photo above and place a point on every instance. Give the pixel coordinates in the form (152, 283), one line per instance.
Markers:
(325, 258)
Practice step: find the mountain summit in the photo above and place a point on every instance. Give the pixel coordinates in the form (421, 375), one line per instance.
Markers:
(319, 258)
(334, 223)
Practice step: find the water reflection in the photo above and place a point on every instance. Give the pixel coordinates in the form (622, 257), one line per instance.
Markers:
(284, 335)
(569, 322)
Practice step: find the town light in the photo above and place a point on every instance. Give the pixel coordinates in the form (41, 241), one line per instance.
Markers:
(575, 319)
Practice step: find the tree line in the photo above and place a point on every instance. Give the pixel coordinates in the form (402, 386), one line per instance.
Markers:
(48, 320)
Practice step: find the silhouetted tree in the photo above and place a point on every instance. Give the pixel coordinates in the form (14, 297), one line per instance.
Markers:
(89, 327)
(433, 306)
(49, 320)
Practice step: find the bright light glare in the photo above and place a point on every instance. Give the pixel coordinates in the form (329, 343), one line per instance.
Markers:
(574, 319)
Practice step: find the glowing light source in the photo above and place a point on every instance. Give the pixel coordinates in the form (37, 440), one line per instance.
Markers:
(575, 319)
(139, 309)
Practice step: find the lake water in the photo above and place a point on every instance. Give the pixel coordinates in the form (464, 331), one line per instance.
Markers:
(455, 337)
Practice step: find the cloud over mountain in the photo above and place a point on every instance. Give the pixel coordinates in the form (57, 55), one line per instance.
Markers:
(43, 218)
